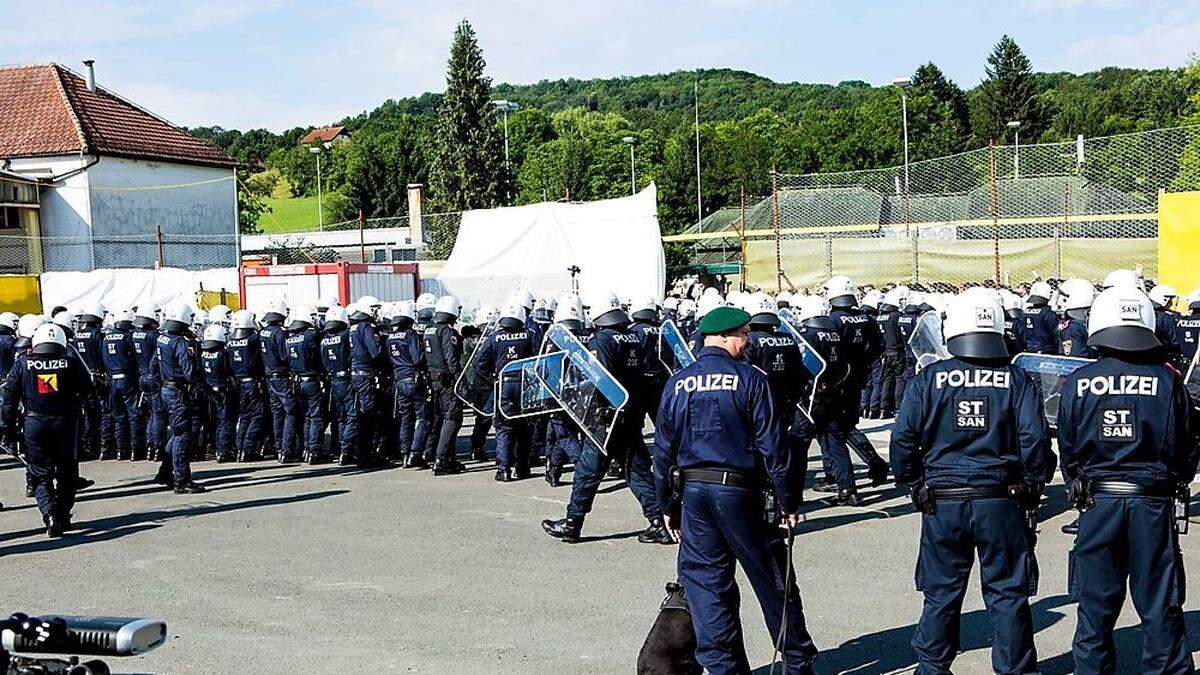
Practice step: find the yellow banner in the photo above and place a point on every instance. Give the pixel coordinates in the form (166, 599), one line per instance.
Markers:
(20, 293)
(1179, 240)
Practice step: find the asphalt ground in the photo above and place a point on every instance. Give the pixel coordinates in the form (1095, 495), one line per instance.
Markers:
(326, 569)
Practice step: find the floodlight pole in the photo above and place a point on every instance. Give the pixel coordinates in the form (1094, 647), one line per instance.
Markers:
(320, 211)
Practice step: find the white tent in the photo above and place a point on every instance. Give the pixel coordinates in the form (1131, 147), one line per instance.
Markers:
(615, 243)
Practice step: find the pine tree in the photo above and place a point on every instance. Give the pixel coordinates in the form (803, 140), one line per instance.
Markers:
(1008, 93)
(930, 79)
(467, 171)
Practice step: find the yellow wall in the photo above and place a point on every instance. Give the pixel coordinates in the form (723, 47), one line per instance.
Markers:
(1179, 240)
(20, 293)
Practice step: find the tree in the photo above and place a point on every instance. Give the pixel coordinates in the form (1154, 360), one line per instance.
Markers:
(929, 79)
(252, 193)
(1009, 92)
(468, 166)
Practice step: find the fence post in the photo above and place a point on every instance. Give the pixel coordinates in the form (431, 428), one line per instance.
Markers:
(158, 236)
(362, 245)
(916, 267)
(742, 187)
(995, 212)
(778, 236)
(1066, 223)
(828, 255)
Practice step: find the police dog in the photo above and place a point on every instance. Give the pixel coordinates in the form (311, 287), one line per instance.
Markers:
(670, 648)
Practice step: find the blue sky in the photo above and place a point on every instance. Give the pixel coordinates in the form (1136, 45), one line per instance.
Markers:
(274, 64)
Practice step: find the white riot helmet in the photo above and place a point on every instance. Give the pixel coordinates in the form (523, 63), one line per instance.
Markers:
(670, 304)
(446, 309)
(369, 304)
(1194, 299)
(710, 291)
(1163, 296)
(148, 311)
(214, 336)
(124, 316)
(1123, 278)
(604, 310)
(336, 317)
(424, 305)
(200, 318)
(1077, 294)
(839, 291)
(301, 317)
(179, 314)
(707, 304)
(9, 320)
(325, 302)
(387, 312)
(512, 316)
(277, 310)
(243, 319)
(28, 323)
(1122, 318)
(643, 308)
(813, 310)
(63, 317)
(219, 314)
(570, 308)
(92, 312)
(404, 310)
(974, 326)
(896, 298)
(522, 297)
(762, 309)
(1039, 294)
(783, 300)
(872, 299)
(49, 338)
(486, 315)
(915, 299)
(687, 308)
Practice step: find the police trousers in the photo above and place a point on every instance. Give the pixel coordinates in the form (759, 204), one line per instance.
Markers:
(341, 405)
(250, 418)
(993, 529)
(835, 456)
(123, 396)
(53, 469)
(513, 440)
(625, 444)
(223, 406)
(1129, 540)
(412, 427)
(722, 526)
(152, 415)
(309, 418)
(178, 403)
(450, 412)
(279, 395)
(366, 407)
(563, 439)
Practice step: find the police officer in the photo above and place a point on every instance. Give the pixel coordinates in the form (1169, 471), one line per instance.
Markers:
(1013, 332)
(429, 412)
(1077, 295)
(304, 360)
(1188, 334)
(511, 341)
(443, 357)
(1127, 451)
(406, 353)
(715, 429)
(151, 418)
(861, 343)
(222, 394)
(617, 350)
(335, 361)
(8, 355)
(1039, 323)
(1166, 322)
(564, 439)
(87, 340)
(273, 340)
(246, 362)
(472, 336)
(972, 442)
(121, 365)
(687, 316)
(365, 350)
(892, 360)
(646, 325)
(175, 354)
(773, 351)
(906, 323)
(51, 384)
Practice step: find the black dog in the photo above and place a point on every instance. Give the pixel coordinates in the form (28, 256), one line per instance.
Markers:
(670, 648)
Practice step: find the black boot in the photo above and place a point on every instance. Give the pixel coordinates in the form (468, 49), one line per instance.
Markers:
(503, 475)
(567, 529)
(847, 497)
(478, 454)
(554, 475)
(164, 478)
(54, 528)
(82, 483)
(417, 461)
(447, 468)
(878, 475)
(1071, 528)
(189, 488)
(656, 534)
(826, 487)
(616, 470)
(523, 472)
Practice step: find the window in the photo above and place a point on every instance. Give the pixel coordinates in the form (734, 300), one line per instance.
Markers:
(10, 218)
(380, 255)
(404, 255)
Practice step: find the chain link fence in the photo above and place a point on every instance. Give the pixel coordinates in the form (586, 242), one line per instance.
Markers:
(1002, 214)
(34, 255)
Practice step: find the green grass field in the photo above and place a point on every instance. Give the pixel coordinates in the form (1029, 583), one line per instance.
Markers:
(289, 215)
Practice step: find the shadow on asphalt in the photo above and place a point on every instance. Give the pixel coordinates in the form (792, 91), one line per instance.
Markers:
(114, 527)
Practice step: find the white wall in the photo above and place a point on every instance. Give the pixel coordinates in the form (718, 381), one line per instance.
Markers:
(65, 212)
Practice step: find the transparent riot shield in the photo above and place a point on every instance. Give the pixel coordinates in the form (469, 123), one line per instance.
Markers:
(671, 341)
(1049, 372)
(587, 392)
(475, 386)
(926, 341)
(813, 362)
(1193, 380)
(531, 396)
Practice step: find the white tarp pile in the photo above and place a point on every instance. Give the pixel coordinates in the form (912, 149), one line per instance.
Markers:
(615, 243)
(120, 288)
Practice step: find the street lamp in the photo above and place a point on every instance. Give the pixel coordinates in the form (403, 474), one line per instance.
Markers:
(904, 84)
(632, 170)
(316, 150)
(506, 106)
(1015, 125)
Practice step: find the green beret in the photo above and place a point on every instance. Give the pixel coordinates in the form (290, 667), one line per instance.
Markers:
(723, 319)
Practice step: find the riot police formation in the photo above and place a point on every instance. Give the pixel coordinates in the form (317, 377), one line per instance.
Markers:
(735, 403)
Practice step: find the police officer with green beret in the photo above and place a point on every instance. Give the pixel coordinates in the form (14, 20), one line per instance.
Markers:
(719, 446)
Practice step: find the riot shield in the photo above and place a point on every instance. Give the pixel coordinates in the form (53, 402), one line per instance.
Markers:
(533, 398)
(475, 386)
(1193, 380)
(814, 363)
(926, 341)
(1049, 372)
(671, 341)
(587, 392)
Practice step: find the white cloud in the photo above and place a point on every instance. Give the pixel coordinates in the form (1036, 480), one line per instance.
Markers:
(1067, 5)
(1168, 44)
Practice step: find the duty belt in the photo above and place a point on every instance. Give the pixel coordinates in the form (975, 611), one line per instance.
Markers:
(719, 477)
(363, 373)
(119, 376)
(247, 379)
(340, 373)
(308, 378)
(1120, 488)
(171, 384)
(965, 493)
(279, 375)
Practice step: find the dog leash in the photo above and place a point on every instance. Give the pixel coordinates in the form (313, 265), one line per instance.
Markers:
(778, 656)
